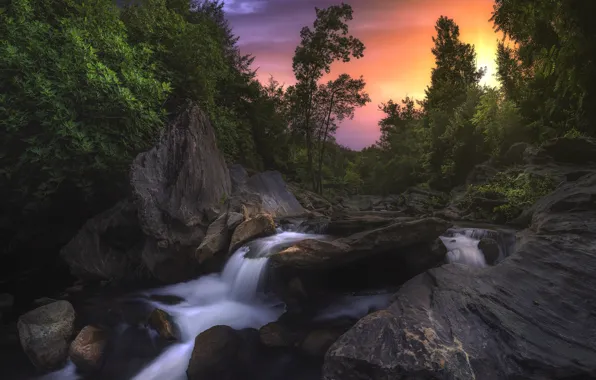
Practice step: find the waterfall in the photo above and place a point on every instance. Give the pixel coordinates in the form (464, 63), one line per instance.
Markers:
(462, 245)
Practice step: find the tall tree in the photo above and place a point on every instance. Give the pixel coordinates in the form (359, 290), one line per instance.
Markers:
(551, 71)
(327, 42)
(455, 72)
(337, 99)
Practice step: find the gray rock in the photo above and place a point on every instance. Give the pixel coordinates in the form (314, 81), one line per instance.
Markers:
(45, 334)
(259, 226)
(530, 317)
(177, 185)
(490, 250)
(216, 241)
(234, 219)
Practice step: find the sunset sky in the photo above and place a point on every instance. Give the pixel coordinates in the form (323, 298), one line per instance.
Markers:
(397, 35)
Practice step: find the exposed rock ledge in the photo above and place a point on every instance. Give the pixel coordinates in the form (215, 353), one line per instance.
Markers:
(530, 317)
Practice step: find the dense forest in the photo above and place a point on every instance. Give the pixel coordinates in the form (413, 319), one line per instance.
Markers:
(88, 85)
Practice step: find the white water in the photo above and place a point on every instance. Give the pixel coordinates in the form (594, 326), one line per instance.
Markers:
(231, 298)
(462, 248)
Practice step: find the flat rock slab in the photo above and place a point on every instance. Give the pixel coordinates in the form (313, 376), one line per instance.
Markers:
(530, 317)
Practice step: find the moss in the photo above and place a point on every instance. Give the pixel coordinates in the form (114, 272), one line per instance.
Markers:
(507, 194)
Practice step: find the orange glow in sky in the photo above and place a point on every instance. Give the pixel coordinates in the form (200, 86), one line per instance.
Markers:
(398, 60)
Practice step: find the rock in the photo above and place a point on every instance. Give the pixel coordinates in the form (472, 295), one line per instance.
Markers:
(6, 302)
(490, 249)
(310, 200)
(108, 245)
(234, 219)
(259, 226)
(162, 322)
(216, 241)
(87, 351)
(313, 254)
(178, 187)
(571, 150)
(238, 177)
(481, 174)
(43, 301)
(422, 202)
(223, 353)
(45, 334)
(530, 317)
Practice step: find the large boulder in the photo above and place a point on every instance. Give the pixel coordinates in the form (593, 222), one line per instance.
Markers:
(45, 334)
(264, 192)
(178, 187)
(530, 317)
(571, 150)
(315, 254)
(218, 237)
(164, 325)
(258, 226)
(88, 350)
(223, 353)
(108, 246)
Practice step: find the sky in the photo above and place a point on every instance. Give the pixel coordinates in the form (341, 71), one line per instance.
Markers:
(397, 34)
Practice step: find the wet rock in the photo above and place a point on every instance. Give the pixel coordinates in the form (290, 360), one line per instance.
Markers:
(88, 349)
(530, 317)
(275, 334)
(163, 323)
(45, 334)
(348, 223)
(258, 226)
(313, 254)
(490, 249)
(223, 353)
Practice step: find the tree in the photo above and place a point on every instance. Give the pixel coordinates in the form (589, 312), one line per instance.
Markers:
(452, 77)
(326, 43)
(551, 71)
(337, 100)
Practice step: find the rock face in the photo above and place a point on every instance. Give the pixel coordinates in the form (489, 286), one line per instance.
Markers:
(530, 317)
(177, 187)
(260, 225)
(217, 239)
(88, 349)
(223, 353)
(45, 334)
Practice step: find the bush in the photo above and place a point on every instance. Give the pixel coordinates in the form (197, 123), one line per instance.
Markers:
(507, 194)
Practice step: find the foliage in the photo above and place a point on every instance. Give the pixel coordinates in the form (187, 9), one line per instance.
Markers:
(514, 192)
(319, 47)
(78, 101)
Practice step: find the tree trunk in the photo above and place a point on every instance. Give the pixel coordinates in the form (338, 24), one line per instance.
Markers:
(322, 149)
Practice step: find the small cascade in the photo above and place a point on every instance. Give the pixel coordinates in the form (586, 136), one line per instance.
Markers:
(462, 245)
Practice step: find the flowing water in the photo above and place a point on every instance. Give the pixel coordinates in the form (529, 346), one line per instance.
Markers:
(232, 298)
(462, 245)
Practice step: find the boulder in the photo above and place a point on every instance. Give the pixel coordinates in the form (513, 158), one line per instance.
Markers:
(178, 187)
(421, 202)
(87, 351)
(216, 240)
(234, 219)
(223, 353)
(314, 254)
(258, 226)
(163, 323)
(530, 317)
(490, 250)
(108, 246)
(310, 200)
(45, 334)
(317, 342)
